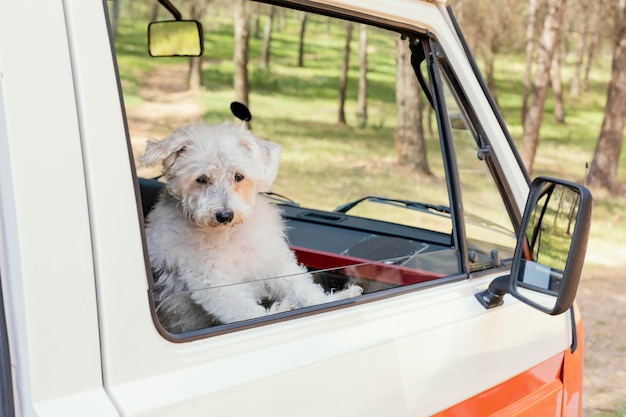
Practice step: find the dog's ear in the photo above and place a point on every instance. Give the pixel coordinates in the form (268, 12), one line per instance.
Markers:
(268, 164)
(265, 158)
(165, 150)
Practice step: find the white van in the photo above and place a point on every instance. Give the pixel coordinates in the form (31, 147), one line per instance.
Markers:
(469, 268)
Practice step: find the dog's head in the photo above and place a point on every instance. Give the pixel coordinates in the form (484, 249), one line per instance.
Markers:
(215, 171)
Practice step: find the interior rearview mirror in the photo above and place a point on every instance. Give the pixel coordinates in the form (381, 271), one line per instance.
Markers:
(175, 38)
(551, 247)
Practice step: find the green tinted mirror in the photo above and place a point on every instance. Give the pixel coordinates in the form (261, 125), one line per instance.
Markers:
(551, 250)
(175, 38)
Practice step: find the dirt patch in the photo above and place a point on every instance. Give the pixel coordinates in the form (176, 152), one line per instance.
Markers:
(602, 292)
(601, 298)
(167, 105)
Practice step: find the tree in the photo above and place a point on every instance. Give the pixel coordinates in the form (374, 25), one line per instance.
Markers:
(557, 86)
(362, 104)
(603, 169)
(590, 23)
(115, 15)
(343, 81)
(549, 42)
(598, 23)
(267, 38)
(530, 52)
(154, 11)
(583, 42)
(483, 30)
(194, 79)
(409, 135)
(302, 32)
(242, 37)
(489, 54)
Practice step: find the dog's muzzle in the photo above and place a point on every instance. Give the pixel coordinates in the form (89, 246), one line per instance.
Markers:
(224, 216)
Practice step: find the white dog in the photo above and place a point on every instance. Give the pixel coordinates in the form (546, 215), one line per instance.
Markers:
(213, 241)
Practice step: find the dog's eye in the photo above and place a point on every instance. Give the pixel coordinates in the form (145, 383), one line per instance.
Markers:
(202, 179)
(239, 177)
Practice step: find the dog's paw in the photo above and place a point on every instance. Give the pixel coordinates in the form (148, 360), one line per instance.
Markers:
(280, 306)
(354, 290)
(351, 291)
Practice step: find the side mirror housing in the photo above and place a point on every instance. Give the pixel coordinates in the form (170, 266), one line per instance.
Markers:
(551, 246)
(175, 38)
(550, 251)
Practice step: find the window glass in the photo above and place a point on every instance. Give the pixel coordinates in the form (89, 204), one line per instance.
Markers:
(488, 226)
(361, 182)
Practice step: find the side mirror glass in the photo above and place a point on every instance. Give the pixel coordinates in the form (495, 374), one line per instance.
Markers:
(550, 251)
(175, 38)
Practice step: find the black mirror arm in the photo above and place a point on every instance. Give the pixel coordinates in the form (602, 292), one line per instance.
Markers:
(493, 296)
(171, 8)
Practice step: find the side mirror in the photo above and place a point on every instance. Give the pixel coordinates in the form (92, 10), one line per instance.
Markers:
(550, 251)
(175, 38)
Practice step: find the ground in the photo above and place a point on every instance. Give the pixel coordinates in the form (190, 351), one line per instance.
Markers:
(601, 295)
(601, 298)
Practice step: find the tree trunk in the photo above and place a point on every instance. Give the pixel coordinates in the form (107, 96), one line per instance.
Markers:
(257, 27)
(574, 88)
(301, 47)
(242, 36)
(557, 86)
(429, 119)
(597, 25)
(530, 49)
(343, 82)
(603, 170)
(115, 17)
(267, 39)
(362, 105)
(534, 117)
(489, 70)
(409, 135)
(593, 44)
(154, 12)
(194, 77)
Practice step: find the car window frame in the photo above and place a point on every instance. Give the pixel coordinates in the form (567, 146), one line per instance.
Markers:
(440, 61)
(432, 51)
(433, 58)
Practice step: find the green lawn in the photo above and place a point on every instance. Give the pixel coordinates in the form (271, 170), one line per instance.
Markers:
(297, 107)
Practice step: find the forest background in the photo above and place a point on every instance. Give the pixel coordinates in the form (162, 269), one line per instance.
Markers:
(557, 69)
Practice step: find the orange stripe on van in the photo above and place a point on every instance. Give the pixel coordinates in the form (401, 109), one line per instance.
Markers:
(537, 392)
(573, 372)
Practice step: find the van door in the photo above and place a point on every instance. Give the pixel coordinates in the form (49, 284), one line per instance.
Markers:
(407, 347)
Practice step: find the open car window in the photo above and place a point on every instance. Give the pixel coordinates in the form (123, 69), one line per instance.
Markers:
(362, 185)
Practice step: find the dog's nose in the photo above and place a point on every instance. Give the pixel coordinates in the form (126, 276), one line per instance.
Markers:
(224, 216)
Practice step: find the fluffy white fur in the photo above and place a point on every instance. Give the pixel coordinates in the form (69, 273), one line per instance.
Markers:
(215, 245)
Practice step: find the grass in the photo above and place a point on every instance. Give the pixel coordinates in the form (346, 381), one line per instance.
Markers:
(324, 163)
